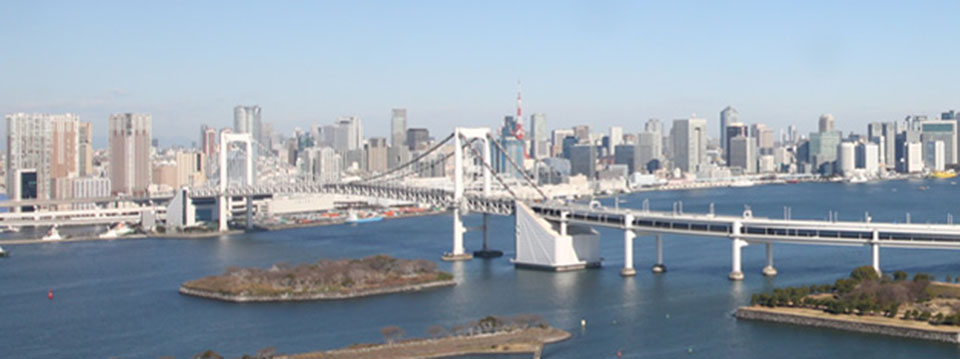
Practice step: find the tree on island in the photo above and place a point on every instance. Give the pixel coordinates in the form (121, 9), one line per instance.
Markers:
(437, 331)
(209, 354)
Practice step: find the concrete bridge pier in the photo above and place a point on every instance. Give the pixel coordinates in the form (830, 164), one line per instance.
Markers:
(659, 267)
(628, 237)
(736, 273)
(769, 270)
(875, 247)
(224, 204)
(250, 213)
(486, 252)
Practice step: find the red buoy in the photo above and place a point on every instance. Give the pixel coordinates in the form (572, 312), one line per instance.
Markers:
(50, 294)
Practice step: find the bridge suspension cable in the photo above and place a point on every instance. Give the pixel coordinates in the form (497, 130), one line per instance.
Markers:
(518, 168)
(407, 164)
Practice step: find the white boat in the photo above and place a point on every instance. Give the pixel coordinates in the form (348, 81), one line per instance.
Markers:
(118, 230)
(52, 235)
(742, 183)
(9, 229)
(3, 253)
(352, 218)
(856, 179)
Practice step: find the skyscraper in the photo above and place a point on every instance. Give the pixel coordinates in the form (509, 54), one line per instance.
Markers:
(733, 130)
(539, 138)
(937, 130)
(246, 119)
(85, 147)
(742, 154)
(826, 123)
(398, 128)
(615, 138)
(349, 134)
(689, 143)
(727, 116)
(35, 153)
(130, 167)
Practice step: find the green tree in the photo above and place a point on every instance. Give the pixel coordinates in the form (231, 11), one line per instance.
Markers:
(863, 273)
(900, 275)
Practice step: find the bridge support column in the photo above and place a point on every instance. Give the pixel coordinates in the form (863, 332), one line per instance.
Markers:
(249, 213)
(736, 273)
(769, 270)
(486, 252)
(628, 236)
(223, 202)
(875, 247)
(659, 267)
(458, 253)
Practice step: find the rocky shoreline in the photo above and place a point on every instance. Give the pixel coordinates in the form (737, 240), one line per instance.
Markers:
(871, 325)
(314, 296)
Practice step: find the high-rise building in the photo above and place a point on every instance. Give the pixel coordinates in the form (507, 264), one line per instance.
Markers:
(539, 138)
(826, 123)
(945, 131)
(85, 148)
(30, 154)
(376, 149)
(913, 157)
(322, 164)
(868, 157)
(823, 148)
(583, 160)
(348, 134)
(792, 133)
(558, 136)
(846, 158)
(653, 125)
(727, 116)
(418, 139)
(649, 148)
(398, 127)
(934, 155)
(64, 162)
(130, 167)
(246, 119)
(615, 139)
(763, 136)
(627, 155)
(208, 141)
(742, 154)
(582, 132)
(733, 130)
(689, 138)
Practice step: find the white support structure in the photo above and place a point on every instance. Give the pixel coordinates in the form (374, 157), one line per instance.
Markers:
(659, 267)
(769, 270)
(875, 246)
(223, 200)
(628, 237)
(736, 273)
(540, 245)
(459, 135)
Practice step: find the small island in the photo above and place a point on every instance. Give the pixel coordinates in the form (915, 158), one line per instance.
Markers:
(520, 334)
(323, 280)
(895, 305)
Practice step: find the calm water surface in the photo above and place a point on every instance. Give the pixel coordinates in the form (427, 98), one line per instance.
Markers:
(119, 299)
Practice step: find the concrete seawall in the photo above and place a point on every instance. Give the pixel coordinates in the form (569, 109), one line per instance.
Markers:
(852, 324)
(316, 296)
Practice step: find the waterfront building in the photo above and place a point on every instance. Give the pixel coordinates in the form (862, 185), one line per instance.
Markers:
(689, 138)
(846, 158)
(934, 155)
(398, 127)
(84, 148)
(733, 130)
(628, 155)
(40, 148)
(913, 157)
(943, 131)
(868, 157)
(742, 154)
(902, 140)
(822, 148)
(766, 164)
(826, 123)
(727, 116)
(130, 168)
(583, 160)
(89, 187)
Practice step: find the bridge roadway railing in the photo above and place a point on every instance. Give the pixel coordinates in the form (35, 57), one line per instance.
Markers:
(755, 229)
(433, 197)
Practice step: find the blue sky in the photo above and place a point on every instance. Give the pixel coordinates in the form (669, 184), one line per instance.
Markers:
(457, 62)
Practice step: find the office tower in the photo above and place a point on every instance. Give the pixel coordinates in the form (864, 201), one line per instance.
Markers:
(208, 141)
(934, 153)
(266, 137)
(30, 153)
(321, 164)
(246, 119)
(763, 135)
(615, 139)
(85, 148)
(826, 123)
(653, 125)
(627, 155)
(689, 138)
(583, 160)
(874, 131)
(733, 130)
(582, 132)
(946, 131)
(913, 157)
(418, 139)
(914, 122)
(649, 148)
(766, 164)
(539, 137)
(742, 154)
(868, 157)
(191, 168)
(348, 134)
(727, 116)
(902, 140)
(398, 127)
(823, 148)
(130, 168)
(557, 137)
(376, 149)
(64, 162)
(846, 158)
(90, 187)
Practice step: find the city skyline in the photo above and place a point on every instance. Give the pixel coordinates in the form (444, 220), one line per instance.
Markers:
(581, 64)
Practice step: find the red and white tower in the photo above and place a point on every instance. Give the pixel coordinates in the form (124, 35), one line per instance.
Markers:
(518, 130)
